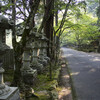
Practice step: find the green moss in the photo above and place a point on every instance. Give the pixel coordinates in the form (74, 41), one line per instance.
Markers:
(43, 97)
(33, 99)
(44, 83)
(59, 88)
(8, 75)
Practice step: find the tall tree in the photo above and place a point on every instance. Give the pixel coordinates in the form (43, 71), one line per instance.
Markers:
(48, 27)
(19, 46)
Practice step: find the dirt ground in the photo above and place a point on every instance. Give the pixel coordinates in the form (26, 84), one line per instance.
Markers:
(65, 93)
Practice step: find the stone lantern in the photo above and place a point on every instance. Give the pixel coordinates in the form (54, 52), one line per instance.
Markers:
(45, 49)
(6, 92)
(4, 24)
(29, 74)
(35, 48)
(41, 53)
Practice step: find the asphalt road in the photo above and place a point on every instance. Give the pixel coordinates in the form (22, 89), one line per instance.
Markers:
(85, 70)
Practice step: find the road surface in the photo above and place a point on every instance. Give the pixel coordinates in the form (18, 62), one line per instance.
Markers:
(85, 70)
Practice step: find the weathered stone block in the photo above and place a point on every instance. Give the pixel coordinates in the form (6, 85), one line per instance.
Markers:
(36, 65)
(13, 94)
(43, 61)
(29, 76)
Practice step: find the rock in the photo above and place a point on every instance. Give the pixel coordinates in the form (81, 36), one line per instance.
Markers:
(43, 61)
(53, 95)
(29, 76)
(38, 66)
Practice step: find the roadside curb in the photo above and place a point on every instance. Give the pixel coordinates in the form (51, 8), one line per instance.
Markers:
(73, 91)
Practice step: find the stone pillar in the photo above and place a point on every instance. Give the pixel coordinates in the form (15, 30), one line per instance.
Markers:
(35, 60)
(45, 51)
(29, 74)
(41, 53)
(6, 92)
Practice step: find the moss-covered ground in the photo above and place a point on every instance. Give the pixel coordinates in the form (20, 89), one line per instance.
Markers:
(43, 83)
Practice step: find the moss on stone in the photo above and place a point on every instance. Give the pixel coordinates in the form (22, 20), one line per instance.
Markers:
(8, 75)
(45, 84)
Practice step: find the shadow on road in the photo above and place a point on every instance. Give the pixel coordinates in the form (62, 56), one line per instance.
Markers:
(85, 71)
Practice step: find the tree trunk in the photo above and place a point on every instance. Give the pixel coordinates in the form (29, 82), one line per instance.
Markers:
(19, 47)
(55, 37)
(48, 27)
(16, 52)
(18, 65)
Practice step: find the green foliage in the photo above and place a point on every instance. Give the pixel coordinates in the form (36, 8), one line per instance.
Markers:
(92, 6)
(80, 31)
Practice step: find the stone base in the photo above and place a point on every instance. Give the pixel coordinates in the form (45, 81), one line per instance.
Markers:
(12, 95)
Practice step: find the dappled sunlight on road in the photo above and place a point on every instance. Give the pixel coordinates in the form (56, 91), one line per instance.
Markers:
(66, 76)
(85, 71)
(96, 59)
(65, 93)
(68, 55)
(92, 70)
(75, 73)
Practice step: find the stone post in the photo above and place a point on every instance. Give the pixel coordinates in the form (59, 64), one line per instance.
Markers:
(3, 88)
(45, 49)
(28, 73)
(35, 62)
(41, 53)
(6, 92)
(34, 36)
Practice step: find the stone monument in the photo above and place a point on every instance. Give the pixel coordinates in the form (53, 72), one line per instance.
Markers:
(35, 48)
(45, 49)
(41, 53)
(29, 74)
(6, 92)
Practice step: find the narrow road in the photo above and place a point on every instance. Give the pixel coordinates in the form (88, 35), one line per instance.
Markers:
(85, 70)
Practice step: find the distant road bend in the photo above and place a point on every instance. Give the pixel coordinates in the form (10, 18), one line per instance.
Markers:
(85, 68)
